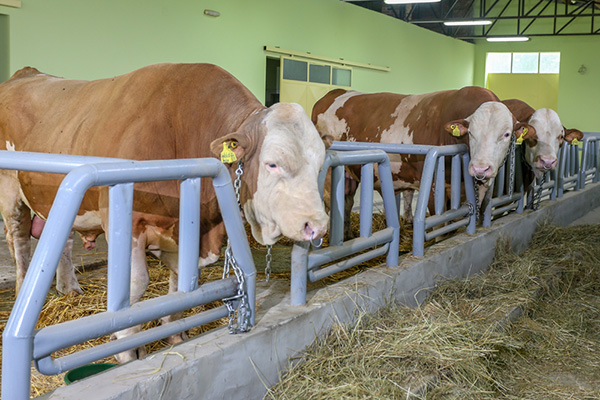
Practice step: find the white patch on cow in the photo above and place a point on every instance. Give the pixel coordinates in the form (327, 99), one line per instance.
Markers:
(397, 132)
(329, 124)
(211, 258)
(548, 130)
(10, 146)
(87, 221)
(287, 200)
(490, 130)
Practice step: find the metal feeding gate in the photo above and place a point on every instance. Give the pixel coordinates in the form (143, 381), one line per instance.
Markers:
(590, 160)
(433, 178)
(308, 265)
(577, 165)
(22, 343)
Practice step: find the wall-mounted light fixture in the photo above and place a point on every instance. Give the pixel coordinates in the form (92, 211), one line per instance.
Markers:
(212, 13)
(508, 39)
(468, 23)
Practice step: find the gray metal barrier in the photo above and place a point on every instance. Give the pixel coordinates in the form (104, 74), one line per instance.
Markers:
(505, 198)
(312, 265)
(590, 160)
(459, 215)
(440, 221)
(22, 343)
(568, 168)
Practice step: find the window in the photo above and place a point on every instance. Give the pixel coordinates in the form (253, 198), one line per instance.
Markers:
(341, 77)
(549, 63)
(319, 73)
(295, 70)
(523, 63)
(498, 63)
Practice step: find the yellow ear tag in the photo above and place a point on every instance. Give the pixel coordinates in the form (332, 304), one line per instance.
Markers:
(520, 139)
(575, 142)
(228, 156)
(455, 130)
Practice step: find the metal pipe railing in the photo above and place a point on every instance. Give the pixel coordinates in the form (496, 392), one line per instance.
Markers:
(309, 265)
(22, 343)
(435, 164)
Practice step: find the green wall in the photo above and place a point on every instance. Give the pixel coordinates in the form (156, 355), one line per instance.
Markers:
(4, 49)
(87, 39)
(578, 94)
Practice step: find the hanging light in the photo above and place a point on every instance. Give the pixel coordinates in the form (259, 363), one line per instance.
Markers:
(410, 1)
(468, 23)
(508, 39)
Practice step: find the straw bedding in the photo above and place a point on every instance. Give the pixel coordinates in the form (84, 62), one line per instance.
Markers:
(59, 308)
(467, 340)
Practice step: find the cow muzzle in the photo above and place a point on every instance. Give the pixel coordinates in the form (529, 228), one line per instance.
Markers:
(546, 163)
(480, 172)
(314, 231)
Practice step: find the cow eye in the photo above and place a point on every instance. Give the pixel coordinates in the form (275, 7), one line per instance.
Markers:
(507, 134)
(273, 167)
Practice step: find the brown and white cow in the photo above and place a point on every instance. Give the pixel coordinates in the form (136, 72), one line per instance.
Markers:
(541, 150)
(471, 115)
(163, 111)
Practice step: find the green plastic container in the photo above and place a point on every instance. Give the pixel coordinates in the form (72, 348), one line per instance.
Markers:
(86, 370)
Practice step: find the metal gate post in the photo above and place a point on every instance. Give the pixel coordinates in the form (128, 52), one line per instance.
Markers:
(119, 246)
(189, 235)
(17, 344)
(299, 275)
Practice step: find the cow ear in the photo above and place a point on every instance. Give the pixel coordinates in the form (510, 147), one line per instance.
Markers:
(458, 127)
(230, 148)
(524, 131)
(572, 134)
(327, 140)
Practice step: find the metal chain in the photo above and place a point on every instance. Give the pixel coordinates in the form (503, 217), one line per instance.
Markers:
(474, 208)
(268, 259)
(237, 184)
(229, 264)
(537, 197)
(243, 309)
(511, 166)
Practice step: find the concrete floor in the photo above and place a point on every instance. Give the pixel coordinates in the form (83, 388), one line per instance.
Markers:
(222, 366)
(82, 258)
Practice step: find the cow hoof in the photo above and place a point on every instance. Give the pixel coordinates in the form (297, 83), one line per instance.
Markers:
(131, 355)
(68, 289)
(178, 338)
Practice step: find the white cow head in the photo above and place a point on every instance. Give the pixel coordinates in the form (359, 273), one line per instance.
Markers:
(283, 154)
(541, 151)
(490, 128)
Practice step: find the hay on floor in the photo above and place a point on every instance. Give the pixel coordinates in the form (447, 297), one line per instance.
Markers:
(453, 346)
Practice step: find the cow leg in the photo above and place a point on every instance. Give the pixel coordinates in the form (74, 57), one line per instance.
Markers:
(407, 198)
(172, 261)
(139, 283)
(17, 225)
(66, 281)
(350, 187)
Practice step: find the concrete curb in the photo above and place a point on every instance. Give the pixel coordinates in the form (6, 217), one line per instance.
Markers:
(222, 366)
